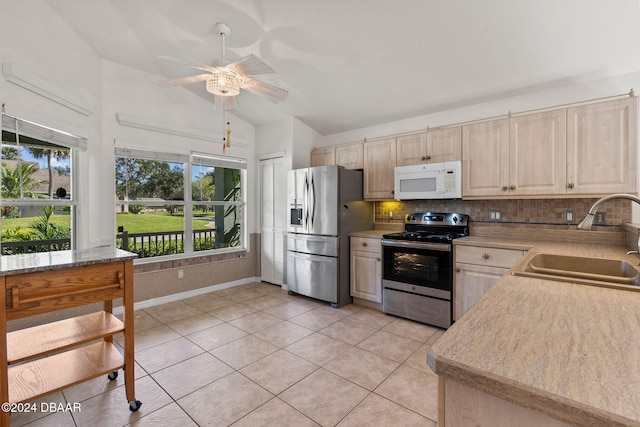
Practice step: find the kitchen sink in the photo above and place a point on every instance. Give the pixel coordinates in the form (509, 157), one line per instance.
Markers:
(575, 269)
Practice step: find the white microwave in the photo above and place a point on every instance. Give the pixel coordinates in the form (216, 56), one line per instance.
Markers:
(429, 181)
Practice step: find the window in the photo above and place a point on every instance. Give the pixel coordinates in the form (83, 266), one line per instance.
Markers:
(37, 201)
(172, 204)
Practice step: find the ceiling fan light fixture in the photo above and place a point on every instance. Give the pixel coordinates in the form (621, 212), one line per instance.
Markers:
(223, 84)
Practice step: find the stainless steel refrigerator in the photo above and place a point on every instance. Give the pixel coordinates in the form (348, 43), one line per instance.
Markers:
(325, 205)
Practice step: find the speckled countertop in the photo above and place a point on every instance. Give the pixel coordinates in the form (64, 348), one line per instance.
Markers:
(568, 350)
(29, 263)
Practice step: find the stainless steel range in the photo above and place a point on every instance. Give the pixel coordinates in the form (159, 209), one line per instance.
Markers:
(417, 277)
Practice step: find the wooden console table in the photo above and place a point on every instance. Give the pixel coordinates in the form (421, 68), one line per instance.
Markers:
(43, 359)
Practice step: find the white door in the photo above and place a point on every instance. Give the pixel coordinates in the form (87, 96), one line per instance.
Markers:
(272, 220)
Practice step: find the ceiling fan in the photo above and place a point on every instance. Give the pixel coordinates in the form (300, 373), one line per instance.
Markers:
(224, 79)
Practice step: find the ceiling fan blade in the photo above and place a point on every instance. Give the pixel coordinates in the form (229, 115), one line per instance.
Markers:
(191, 63)
(251, 65)
(183, 81)
(225, 102)
(272, 93)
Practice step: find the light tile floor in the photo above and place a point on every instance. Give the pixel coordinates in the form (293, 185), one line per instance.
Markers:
(255, 356)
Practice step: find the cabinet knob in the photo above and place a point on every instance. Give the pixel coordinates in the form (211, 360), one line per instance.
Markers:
(428, 157)
(457, 270)
(485, 256)
(512, 187)
(378, 259)
(505, 188)
(364, 243)
(570, 185)
(423, 158)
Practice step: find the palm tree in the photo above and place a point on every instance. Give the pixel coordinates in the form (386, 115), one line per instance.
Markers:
(11, 188)
(48, 153)
(22, 173)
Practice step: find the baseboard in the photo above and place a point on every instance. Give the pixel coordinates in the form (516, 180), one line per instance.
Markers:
(187, 294)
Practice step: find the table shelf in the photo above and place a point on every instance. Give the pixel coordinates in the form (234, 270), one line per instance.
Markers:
(34, 379)
(53, 337)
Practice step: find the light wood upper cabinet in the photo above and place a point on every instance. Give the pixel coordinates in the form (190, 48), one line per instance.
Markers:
(602, 141)
(435, 145)
(523, 156)
(379, 161)
(537, 154)
(444, 145)
(351, 156)
(412, 149)
(323, 156)
(485, 158)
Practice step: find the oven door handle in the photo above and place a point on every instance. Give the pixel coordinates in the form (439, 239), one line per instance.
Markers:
(443, 247)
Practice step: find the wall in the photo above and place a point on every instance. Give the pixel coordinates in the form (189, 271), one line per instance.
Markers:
(571, 92)
(36, 40)
(530, 213)
(515, 213)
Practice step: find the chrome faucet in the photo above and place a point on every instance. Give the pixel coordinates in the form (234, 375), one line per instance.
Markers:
(587, 221)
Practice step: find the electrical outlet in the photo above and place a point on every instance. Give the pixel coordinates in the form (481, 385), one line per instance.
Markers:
(600, 219)
(181, 274)
(495, 215)
(569, 216)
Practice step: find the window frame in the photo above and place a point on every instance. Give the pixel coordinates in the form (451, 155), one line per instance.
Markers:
(21, 127)
(197, 159)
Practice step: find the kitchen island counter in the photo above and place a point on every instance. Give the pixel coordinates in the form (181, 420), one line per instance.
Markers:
(566, 350)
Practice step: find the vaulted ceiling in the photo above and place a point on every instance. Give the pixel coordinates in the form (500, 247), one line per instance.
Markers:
(349, 64)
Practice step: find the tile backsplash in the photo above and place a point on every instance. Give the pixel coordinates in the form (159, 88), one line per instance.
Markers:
(542, 213)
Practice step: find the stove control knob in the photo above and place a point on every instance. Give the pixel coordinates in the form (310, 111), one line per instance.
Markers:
(412, 218)
(455, 219)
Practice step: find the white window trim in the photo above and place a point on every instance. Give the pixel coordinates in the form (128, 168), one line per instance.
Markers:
(195, 158)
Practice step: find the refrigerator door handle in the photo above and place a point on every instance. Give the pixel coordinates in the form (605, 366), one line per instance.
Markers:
(313, 203)
(305, 198)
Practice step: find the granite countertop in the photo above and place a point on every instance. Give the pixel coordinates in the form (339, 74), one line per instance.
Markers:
(29, 263)
(568, 350)
(369, 233)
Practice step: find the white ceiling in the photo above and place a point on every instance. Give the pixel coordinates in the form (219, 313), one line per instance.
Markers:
(349, 64)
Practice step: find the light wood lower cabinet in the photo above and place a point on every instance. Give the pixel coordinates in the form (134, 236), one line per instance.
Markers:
(477, 269)
(366, 268)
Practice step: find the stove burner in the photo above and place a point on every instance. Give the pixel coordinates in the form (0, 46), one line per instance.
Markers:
(434, 227)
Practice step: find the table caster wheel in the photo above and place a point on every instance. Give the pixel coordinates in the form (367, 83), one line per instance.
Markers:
(113, 375)
(134, 405)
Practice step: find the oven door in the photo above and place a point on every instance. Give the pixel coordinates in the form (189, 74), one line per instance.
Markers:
(417, 263)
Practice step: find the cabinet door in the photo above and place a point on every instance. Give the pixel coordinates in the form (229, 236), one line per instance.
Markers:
(366, 276)
(602, 147)
(272, 220)
(351, 156)
(444, 145)
(471, 283)
(323, 156)
(412, 149)
(485, 158)
(537, 151)
(379, 161)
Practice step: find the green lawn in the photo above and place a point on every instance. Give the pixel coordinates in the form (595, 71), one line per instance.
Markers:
(140, 223)
(25, 223)
(155, 222)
